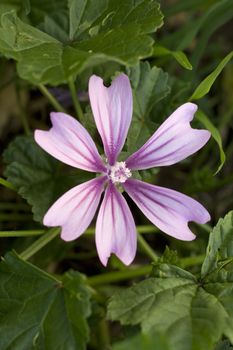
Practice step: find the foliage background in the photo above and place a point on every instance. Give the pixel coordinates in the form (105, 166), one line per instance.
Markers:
(63, 298)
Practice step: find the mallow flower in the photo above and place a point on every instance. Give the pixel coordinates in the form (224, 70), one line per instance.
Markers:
(71, 143)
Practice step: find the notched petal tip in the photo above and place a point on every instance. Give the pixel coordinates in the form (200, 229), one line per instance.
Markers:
(55, 115)
(206, 135)
(115, 228)
(112, 111)
(122, 78)
(68, 141)
(39, 136)
(188, 237)
(74, 211)
(127, 260)
(191, 106)
(67, 238)
(47, 221)
(104, 260)
(93, 80)
(172, 142)
(205, 217)
(169, 210)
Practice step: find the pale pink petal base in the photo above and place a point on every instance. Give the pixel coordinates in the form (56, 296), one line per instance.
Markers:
(112, 110)
(167, 209)
(70, 142)
(115, 228)
(75, 210)
(174, 141)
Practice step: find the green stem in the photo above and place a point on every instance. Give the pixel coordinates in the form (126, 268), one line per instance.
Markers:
(104, 340)
(51, 98)
(117, 276)
(7, 184)
(141, 229)
(22, 114)
(40, 243)
(146, 248)
(206, 227)
(23, 233)
(113, 277)
(192, 260)
(76, 102)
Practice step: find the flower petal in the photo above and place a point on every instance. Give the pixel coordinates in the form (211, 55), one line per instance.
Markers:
(70, 142)
(169, 210)
(75, 210)
(115, 228)
(112, 110)
(174, 141)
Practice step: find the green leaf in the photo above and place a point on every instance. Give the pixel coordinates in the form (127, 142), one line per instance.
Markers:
(39, 312)
(179, 56)
(150, 85)
(56, 26)
(220, 246)
(38, 54)
(99, 32)
(82, 15)
(217, 269)
(205, 86)
(202, 117)
(36, 175)
(179, 307)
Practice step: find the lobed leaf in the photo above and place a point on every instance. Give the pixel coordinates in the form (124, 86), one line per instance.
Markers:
(220, 246)
(177, 306)
(98, 32)
(40, 312)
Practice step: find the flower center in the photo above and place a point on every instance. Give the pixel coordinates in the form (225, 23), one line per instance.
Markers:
(119, 173)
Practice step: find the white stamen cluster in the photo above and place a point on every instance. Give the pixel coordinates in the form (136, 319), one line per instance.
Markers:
(119, 173)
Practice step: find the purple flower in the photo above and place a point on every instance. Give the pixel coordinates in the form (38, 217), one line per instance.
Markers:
(70, 142)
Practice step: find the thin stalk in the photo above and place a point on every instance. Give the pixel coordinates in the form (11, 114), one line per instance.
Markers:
(24, 233)
(22, 114)
(146, 248)
(141, 229)
(21, 233)
(206, 227)
(104, 339)
(76, 102)
(112, 277)
(7, 184)
(51, 98)
(192, 260)
(40, 243)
